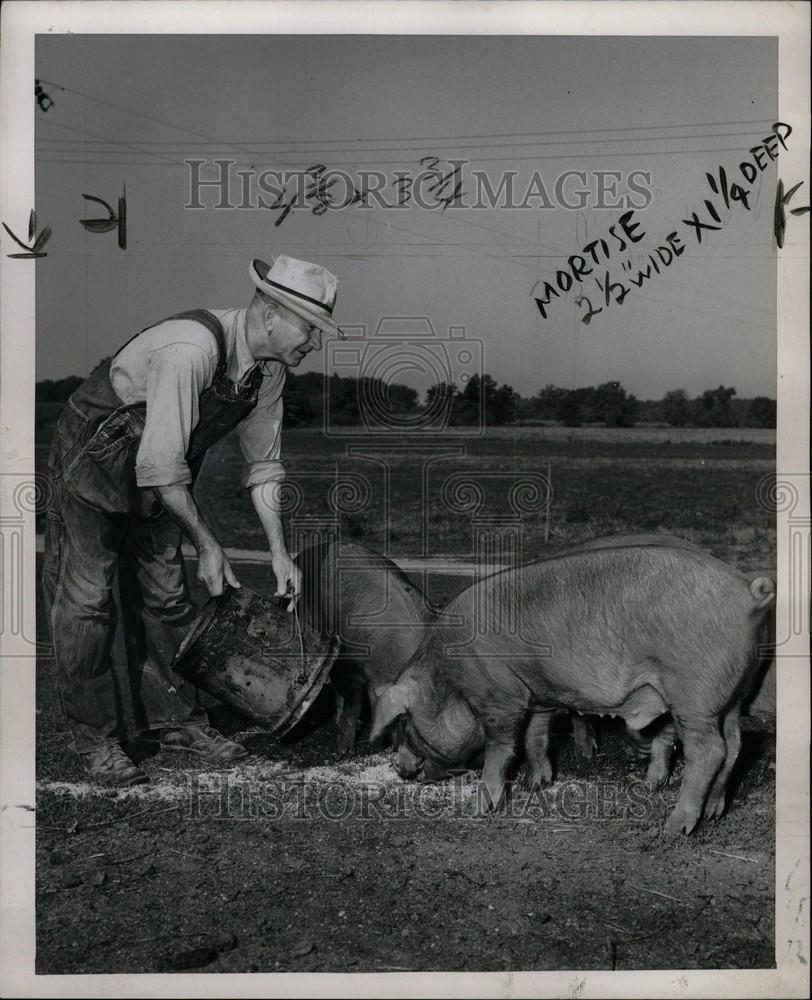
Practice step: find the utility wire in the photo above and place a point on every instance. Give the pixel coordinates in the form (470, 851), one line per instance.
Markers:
(506, 135)
(140, 114)
(116, 142)
(479, 159)
(173, 147)
(475, 135)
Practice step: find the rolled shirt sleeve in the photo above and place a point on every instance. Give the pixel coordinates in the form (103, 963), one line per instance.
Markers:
(177, 374)
(260, 433)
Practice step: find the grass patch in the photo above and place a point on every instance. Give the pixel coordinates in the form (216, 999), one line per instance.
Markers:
(689, 482)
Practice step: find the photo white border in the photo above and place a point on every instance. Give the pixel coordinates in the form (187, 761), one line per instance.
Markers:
(21, 21)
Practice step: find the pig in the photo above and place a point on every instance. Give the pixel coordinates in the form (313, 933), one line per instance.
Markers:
(657, 744)
(343, 584)
(640, 632)
(378, 613)
(374, 653)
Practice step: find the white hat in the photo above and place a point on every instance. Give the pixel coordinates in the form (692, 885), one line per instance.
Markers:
(308, 290)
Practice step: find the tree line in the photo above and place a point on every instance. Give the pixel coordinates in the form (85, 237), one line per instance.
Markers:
(611, 405)
(352, 401)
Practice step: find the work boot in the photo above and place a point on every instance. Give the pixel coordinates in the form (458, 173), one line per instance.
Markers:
(109, 765)
(202, 739)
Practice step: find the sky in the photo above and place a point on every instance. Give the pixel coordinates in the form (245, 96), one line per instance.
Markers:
(135, 108)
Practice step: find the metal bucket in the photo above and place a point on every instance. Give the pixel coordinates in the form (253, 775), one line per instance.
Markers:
(246, 650)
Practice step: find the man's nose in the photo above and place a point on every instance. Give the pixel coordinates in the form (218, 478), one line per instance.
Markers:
(315, 339)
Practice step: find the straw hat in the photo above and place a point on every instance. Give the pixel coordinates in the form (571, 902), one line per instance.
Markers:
(308, 290)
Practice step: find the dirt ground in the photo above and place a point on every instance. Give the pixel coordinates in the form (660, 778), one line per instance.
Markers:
(296, 860)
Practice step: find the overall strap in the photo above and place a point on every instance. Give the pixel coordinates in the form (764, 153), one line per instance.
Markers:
(213, 325)
(202, 316)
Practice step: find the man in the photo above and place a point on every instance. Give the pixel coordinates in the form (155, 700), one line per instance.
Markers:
(126, 451)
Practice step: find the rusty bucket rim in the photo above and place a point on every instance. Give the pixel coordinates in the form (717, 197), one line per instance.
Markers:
(308, 695)
(201, 625)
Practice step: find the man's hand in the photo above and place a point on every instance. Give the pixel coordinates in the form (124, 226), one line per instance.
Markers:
(214, 570)
(288, 577)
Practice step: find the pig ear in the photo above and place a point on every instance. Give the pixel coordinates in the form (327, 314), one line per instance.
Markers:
(393, 703)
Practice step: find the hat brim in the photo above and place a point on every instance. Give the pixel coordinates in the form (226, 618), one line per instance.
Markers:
(313, 315)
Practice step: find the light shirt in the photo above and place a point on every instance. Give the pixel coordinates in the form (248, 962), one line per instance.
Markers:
(168, 367)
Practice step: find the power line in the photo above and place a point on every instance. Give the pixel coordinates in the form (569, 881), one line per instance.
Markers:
(116, 142)
(140, 114)
(475, 135)
(245, 149)
(506, 135)
(485, 159)
(173, 147)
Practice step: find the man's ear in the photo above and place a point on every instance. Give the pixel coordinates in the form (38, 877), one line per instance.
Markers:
(393, 703)
(269, 309)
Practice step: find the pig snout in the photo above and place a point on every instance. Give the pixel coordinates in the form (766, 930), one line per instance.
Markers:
(410, 765)
(407, 763)
(432, 771)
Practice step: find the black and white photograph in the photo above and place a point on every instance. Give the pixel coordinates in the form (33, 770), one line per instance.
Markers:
(405, 499)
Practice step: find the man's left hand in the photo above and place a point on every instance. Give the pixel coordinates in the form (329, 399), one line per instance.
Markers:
(288, 578)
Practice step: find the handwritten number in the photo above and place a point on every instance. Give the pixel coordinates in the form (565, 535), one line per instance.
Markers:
(404, 186)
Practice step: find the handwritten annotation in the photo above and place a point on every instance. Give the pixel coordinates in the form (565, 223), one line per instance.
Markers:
(621, 236)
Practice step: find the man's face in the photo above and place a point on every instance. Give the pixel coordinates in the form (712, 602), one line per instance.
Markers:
(287, 337)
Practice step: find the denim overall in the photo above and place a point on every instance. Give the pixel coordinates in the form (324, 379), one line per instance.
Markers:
(101, 522)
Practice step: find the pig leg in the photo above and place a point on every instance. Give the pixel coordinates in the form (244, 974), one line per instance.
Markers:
(538, 770)
(705, 751)
(349, 693)
(499, 752)
(583, 733)
(351, 714)
(715, 805)
(638, 745)
(659, 765)
(339, 704)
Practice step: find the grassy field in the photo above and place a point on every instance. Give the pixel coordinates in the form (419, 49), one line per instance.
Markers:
(412, 497)
(416, 501)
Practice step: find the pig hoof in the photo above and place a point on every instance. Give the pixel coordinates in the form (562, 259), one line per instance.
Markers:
(537, 777)
(679, 822)
(655, 780)
(486, 805)
(484, 808)
(715, 807)
(586, 747)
